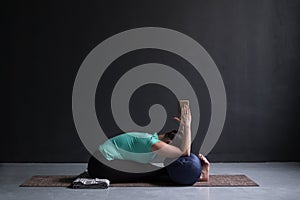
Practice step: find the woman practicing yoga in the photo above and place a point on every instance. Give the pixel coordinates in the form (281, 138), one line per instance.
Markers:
(144, 147)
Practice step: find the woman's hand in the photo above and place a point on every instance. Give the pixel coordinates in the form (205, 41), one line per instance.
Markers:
(177, 119)
(186, 117)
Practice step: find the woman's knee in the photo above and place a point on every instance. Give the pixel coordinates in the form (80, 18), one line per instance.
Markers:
(186, 170)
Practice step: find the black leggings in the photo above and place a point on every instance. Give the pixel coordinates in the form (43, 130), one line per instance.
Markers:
(98, 170)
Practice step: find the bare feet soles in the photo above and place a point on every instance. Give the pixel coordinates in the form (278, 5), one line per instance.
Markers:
(205, 168)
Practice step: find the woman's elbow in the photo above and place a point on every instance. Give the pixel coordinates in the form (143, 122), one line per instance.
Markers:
(187, 153)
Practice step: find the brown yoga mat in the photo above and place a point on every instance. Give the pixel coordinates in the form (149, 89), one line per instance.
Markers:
(215, 181)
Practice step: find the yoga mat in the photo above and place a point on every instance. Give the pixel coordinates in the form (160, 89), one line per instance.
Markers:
(215, 181)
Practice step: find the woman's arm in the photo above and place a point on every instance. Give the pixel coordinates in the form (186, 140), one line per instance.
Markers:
(166, 150)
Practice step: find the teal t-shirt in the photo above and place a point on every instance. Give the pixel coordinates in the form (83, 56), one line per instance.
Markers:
(135, 146)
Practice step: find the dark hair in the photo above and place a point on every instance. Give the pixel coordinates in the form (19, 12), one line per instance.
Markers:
(170, 135)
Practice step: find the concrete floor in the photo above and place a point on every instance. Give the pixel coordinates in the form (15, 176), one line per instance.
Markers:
(276, 180)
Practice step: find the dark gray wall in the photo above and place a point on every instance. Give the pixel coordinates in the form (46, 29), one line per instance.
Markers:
(255, 44)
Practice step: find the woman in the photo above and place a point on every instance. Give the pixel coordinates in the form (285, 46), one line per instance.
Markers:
(143, 148)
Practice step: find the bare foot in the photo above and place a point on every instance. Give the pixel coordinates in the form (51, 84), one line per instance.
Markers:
(205, 168)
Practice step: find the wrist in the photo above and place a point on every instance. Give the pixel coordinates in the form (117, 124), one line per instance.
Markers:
(187, 125)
